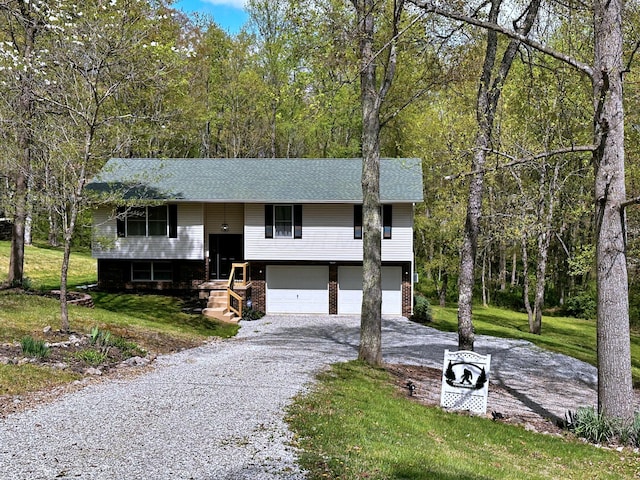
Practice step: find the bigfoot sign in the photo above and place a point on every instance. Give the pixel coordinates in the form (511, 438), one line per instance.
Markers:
(465, 381)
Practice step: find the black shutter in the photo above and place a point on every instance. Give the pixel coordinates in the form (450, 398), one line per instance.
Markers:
(357, 221)
(120, 221)
(387, 220)
(173, 221)
(268, 221)
(297, 221)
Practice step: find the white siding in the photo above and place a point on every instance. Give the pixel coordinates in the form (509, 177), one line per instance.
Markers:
(327, 235)
(188, 246)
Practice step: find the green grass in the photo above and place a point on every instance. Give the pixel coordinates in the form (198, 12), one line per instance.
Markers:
(354, 425)
(571, 336)
(17, 380)
(42, 267)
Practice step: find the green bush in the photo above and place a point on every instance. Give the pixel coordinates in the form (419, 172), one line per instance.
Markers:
(511, 297)
(34, 348)
(103, 340)
(421, 310)
(91, 356)
(251, 314)
(582, 305)
(594, 427)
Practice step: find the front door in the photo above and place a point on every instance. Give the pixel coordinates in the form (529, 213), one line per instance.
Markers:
(224, 249)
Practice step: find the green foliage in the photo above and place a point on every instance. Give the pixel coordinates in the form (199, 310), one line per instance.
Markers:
(34, 348)
(91, 356)
(582, 305)
(421, 309)
(594, 427)
(354, 424)
(251, 314)
(103, 340)
(511, 297)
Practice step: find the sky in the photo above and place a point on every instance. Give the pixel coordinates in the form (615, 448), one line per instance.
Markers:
(228, 14)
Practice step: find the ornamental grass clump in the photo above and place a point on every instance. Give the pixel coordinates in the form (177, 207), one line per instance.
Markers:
(596, 428)
(34, 348)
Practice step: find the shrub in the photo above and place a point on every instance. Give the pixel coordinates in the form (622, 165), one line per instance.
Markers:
(594, 427)
(34, 348)
(511, 297)
(251, 314)
(421, 310)
(91, 356)
(103, 340)
(582, 305)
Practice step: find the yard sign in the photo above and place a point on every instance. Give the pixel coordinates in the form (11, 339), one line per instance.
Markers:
(465, 381)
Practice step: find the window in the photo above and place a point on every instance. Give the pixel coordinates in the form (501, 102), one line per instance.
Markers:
(387, 220)
(148, 221)
(151, 271)
(283, 221)
(357, 222)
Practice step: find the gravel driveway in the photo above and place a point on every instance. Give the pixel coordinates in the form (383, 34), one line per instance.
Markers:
(215, 412)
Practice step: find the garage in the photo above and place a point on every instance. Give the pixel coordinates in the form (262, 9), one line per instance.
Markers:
(297, 289)
(350, 290)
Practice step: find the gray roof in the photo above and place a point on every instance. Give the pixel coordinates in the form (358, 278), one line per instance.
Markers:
(258, 180)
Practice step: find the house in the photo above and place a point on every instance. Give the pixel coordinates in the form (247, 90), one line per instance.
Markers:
(294, 226)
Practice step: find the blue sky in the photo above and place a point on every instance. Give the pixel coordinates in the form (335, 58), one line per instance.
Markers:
(229, 14)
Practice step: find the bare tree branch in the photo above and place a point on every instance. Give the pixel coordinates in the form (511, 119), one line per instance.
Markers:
(519, 161)
(430, 6)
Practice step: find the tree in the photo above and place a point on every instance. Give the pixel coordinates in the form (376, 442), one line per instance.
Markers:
(606, 73)
(24, 24)
(92, 76)
(374, 90)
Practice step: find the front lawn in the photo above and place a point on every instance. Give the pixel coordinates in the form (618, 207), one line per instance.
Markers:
(355, 425)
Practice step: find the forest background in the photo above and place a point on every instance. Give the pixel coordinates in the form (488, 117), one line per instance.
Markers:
(137, 78)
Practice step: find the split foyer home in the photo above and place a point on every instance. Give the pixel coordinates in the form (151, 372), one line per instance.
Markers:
(288, 230)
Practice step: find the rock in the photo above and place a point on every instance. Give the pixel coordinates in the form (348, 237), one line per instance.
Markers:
(93, 371)
(46, 330)
(60, 365)
(135, 362)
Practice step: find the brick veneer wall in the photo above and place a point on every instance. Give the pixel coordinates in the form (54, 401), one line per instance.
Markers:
(258, 286)
(116, 275)
(333, 289)
(407, 300)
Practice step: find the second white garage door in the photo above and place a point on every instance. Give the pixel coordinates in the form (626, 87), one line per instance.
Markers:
(298, 289)
(350, 290)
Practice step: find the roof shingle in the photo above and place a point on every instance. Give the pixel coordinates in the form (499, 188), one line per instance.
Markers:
(259, 180)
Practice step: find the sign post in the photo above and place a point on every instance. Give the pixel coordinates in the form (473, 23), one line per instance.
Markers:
(465, 381)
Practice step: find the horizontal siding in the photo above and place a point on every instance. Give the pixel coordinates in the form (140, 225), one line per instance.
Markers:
(230, 213)
(327, 235)
(188, 246)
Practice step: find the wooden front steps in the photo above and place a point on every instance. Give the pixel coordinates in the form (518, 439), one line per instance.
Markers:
(225, 298)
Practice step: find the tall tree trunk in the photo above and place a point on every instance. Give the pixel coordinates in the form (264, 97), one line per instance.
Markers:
(371, 319)
(372, 97)
(444, 285)
(525, 275)
(487, 102)
(614, 350)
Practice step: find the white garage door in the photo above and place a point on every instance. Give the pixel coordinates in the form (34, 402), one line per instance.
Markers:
(299, 289)
(350, 290)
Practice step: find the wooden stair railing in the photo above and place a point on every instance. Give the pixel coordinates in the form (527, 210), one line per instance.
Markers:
(234, 301)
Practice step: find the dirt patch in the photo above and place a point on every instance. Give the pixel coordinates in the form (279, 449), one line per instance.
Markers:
(501, 405)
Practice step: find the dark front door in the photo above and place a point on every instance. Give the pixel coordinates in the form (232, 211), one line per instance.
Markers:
(224, 249)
